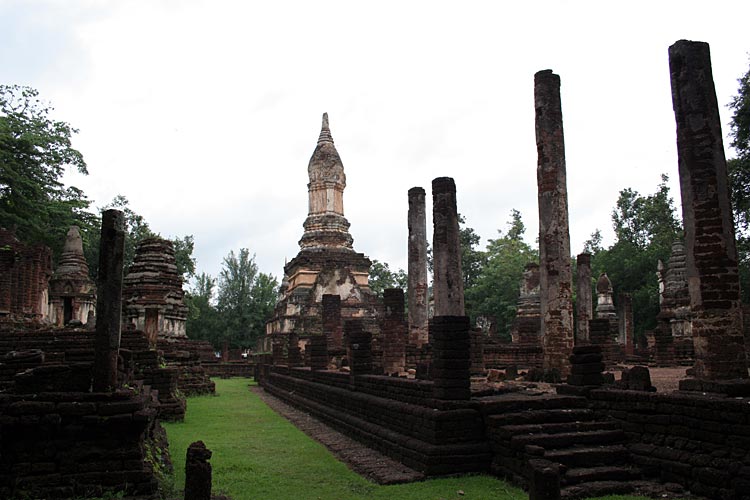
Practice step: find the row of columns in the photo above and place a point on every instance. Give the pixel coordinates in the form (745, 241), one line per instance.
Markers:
(707, 218)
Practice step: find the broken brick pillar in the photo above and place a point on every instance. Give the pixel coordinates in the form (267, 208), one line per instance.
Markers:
(393, 331)
(712, 272)
(476, 337)
(627, 327)
(198, 472)
(451, 357)
(417, 268)
(294, 356)
(109, 300)
(360, 347)
(544, 483)
(332, 321)
(317, 346)
(584, 303)
(554, 235)
(448, 283)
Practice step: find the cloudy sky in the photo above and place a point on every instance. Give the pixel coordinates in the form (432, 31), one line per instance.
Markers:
(204, 114)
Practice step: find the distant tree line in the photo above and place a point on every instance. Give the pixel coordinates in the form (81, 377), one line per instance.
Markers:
(35, 152)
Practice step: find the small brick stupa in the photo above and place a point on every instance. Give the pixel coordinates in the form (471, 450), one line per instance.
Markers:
(327, 263)
(152, 295)
(72, 293)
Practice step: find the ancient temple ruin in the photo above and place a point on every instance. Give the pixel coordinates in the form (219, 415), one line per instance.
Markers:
(152, 294)
(24, 273)
(327, 263)
(72, 293)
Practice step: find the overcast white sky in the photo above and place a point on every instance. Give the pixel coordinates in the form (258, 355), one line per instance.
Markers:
(204, 114)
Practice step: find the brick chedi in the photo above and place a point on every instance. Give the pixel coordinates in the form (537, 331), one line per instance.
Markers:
(326, 262)
(152, 294)
(555, 276)
(72, 293)
(24, 273)
(712, 265)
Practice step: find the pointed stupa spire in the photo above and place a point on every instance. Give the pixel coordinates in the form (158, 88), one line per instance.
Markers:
(72, 261)
(326, 225)
(325, 131)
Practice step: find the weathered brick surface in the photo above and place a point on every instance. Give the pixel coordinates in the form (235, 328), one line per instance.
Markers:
(450, 343)
(712, 272)
(501, 355)
(24, 272)
(554, 235)
(701, 442)
(398, 417)
(393, 328)
(448, 283)
(75, 444)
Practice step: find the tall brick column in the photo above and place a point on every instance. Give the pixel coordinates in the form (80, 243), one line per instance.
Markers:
(584, 303)
(417, 268)
(109, 300)
(627, 327)
(447, 284)
(712, 273)
(393, 329)
(554, 236)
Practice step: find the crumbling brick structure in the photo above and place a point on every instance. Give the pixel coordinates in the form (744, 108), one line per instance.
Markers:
(152, 292)
(24, 273)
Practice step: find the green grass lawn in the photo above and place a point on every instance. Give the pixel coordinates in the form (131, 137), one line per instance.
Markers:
(259, 455)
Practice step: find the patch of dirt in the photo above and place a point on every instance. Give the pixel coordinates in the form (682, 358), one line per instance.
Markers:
(365, 461)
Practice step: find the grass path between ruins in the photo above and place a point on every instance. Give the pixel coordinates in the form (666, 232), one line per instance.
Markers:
(259, 455)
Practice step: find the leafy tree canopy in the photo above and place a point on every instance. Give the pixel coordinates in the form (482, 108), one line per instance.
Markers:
(496, 288)
(246, 299)
(645, 227)
(35, 151)
(381, 277)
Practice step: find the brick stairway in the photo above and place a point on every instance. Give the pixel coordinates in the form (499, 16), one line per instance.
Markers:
(591, 453)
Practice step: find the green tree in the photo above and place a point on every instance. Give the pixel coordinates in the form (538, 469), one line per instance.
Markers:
(645, 227)
(472, 259)
(35, 151)
(381, 277)
(495, 291)
(203, 322)
(245, 300)
(137, 228)
(738, 170)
